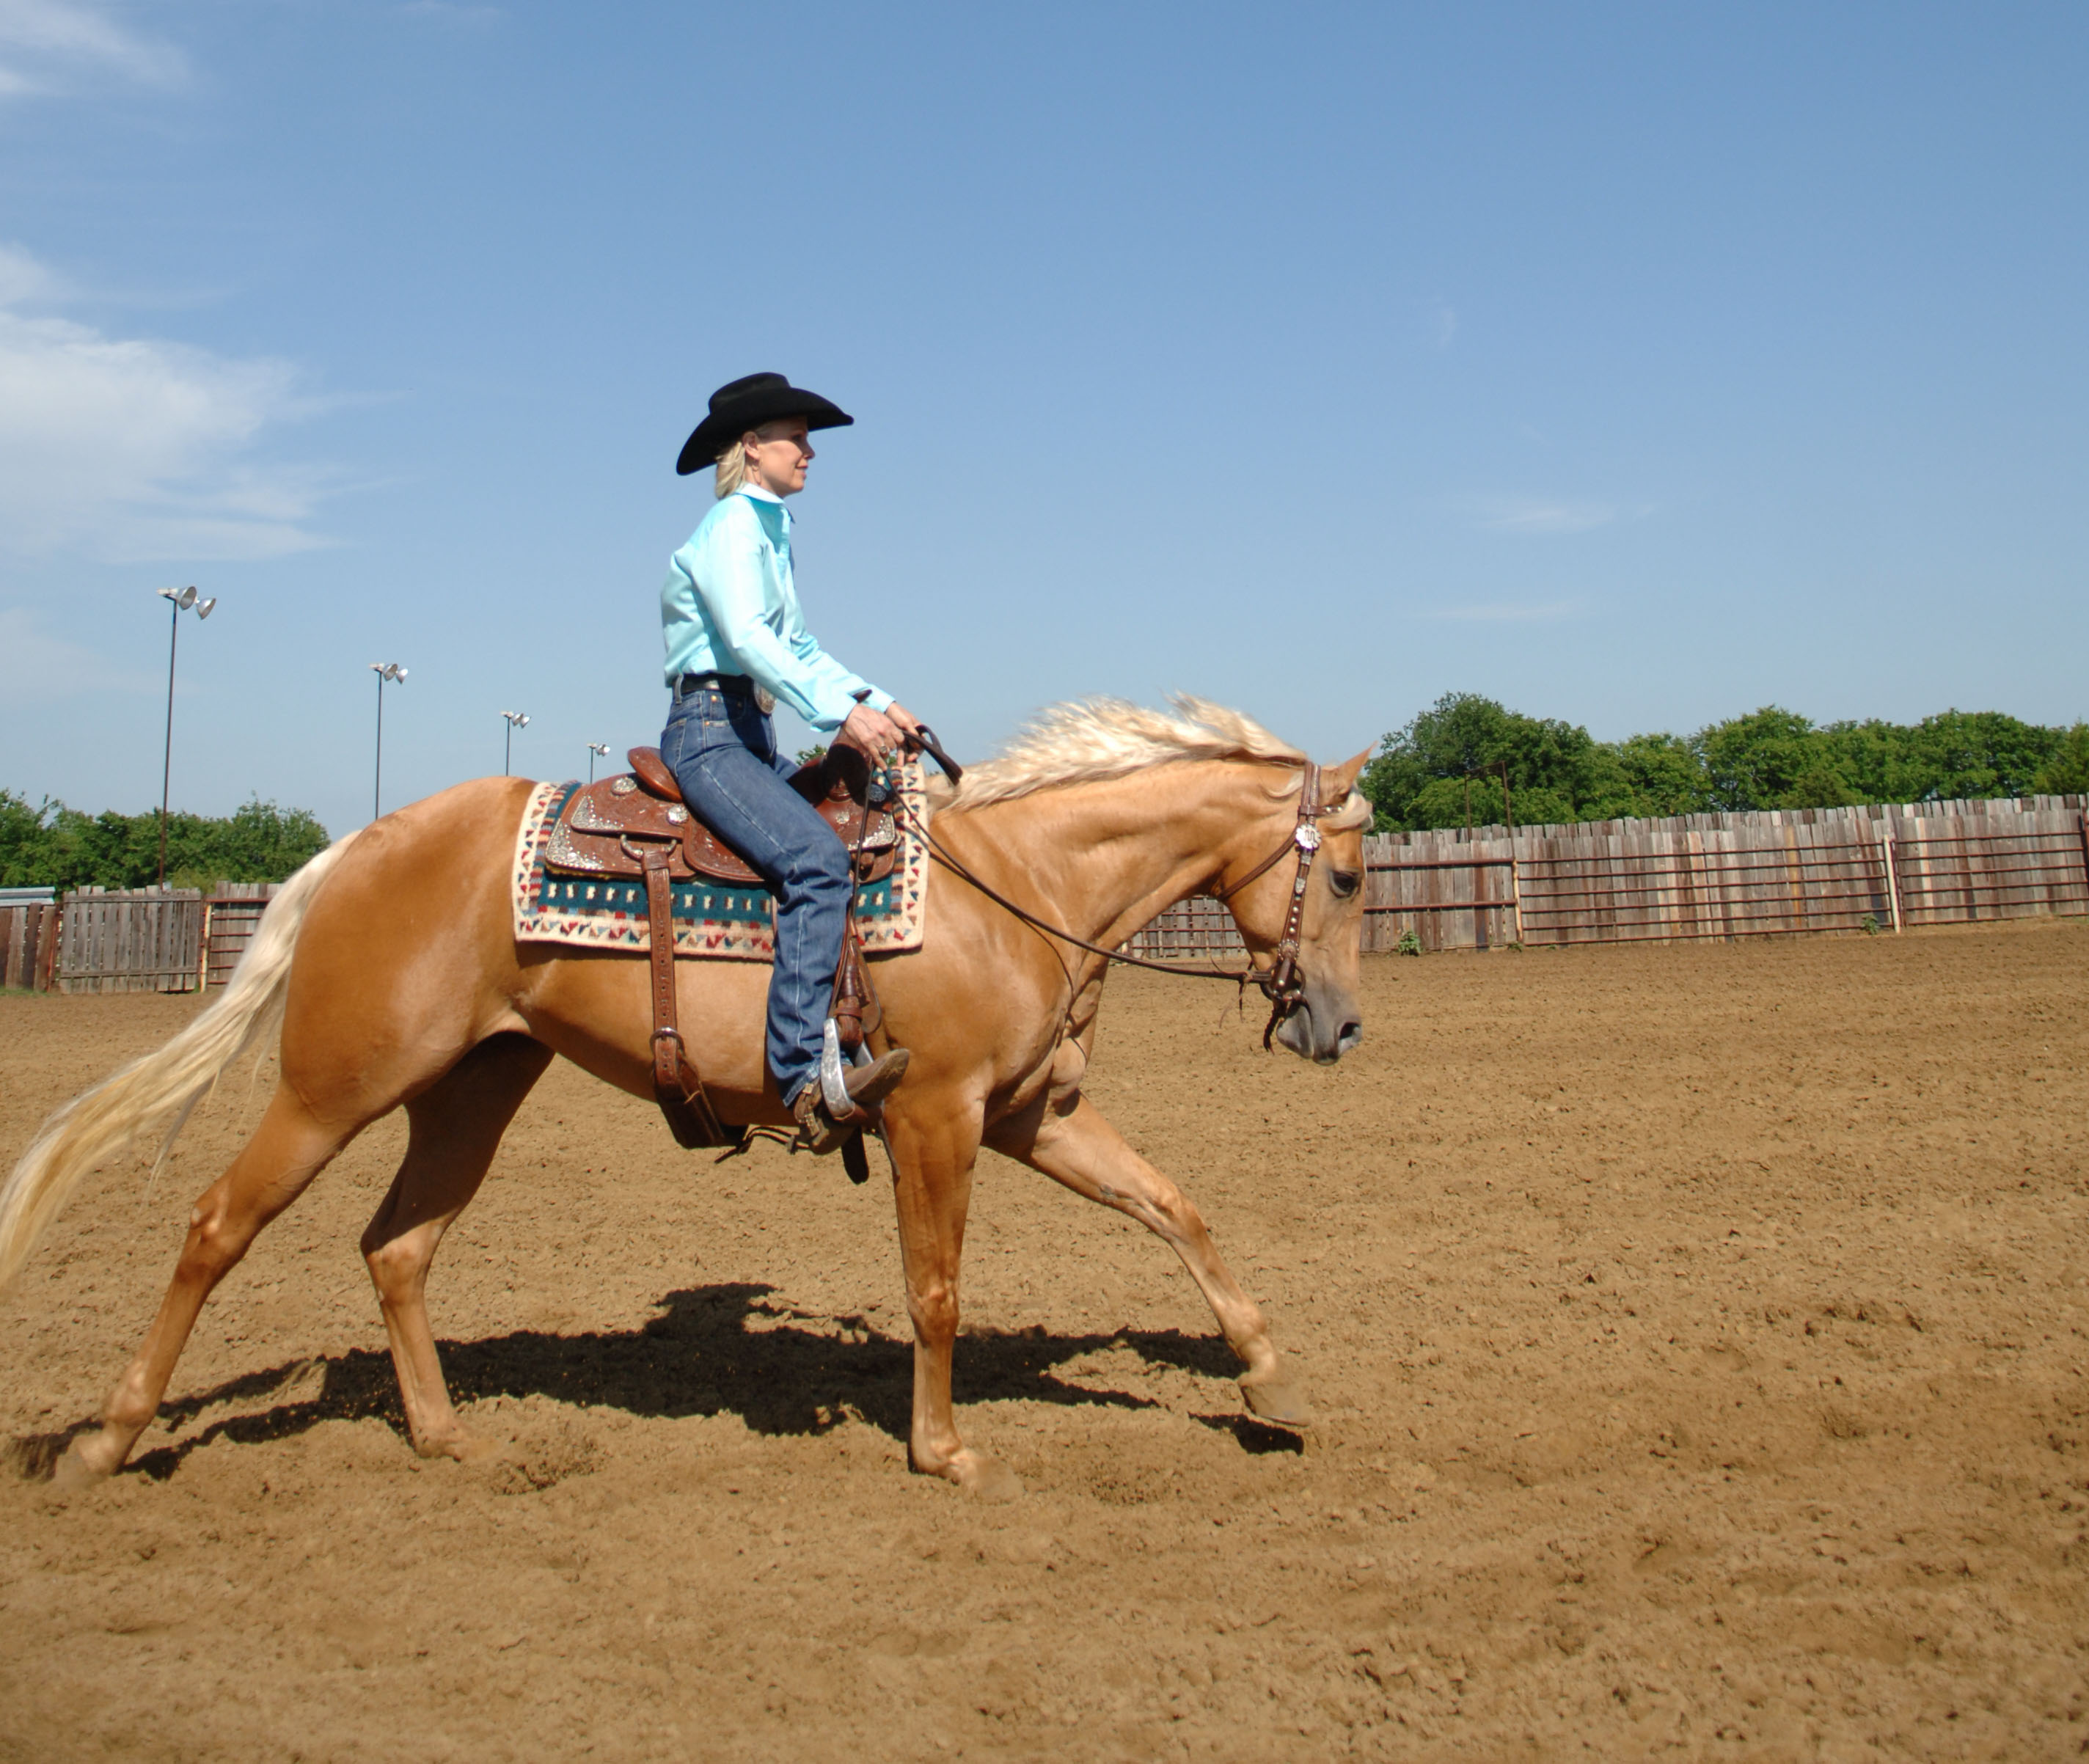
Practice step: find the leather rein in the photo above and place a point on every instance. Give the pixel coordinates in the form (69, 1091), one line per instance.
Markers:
(1279, 982)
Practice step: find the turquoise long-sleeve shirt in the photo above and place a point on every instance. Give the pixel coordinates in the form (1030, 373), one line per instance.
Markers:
(729, 606)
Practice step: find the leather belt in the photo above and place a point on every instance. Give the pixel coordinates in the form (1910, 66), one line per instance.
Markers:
(732, 685)
(728, 686)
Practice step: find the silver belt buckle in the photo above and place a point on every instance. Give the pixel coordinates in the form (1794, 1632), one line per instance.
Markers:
(765, 700)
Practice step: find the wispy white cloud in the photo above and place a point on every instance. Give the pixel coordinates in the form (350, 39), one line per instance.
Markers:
(135, 448)
(25, 283)
(58, 46)
(43, 668)
(1512, 514)
(1443, 323)
(1509, 612)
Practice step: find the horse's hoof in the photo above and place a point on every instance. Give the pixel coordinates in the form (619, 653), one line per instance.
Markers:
(76, 1470)
(983, 1478)
(988, 1478)
(463, 1448)
(1281, 1404)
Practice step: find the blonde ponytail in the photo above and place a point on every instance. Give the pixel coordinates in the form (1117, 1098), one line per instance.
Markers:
(731, 470)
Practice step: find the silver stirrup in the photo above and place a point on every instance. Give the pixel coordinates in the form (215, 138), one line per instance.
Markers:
(834, 1090)
(830, 1084)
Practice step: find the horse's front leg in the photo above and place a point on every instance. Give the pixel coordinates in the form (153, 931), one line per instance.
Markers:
(1081, 1149)
(933, 1150)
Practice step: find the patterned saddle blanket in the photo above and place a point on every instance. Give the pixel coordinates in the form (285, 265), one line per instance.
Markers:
(573, 881)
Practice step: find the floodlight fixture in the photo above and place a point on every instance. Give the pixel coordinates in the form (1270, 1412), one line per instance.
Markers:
(515, 719)
(596, 749)
(384, 671)
(181, 600)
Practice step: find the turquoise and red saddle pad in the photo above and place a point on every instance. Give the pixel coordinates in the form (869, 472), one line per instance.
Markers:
(711, 918)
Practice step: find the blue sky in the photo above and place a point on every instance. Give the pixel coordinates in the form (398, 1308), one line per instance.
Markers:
(1638, 365)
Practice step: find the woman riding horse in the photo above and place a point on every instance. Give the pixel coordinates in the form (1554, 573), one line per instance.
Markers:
(737, 646)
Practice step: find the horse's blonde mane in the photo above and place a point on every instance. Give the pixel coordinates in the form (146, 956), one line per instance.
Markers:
(1101, 738)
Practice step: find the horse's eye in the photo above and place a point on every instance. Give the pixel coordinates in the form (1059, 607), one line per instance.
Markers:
(1343, 883)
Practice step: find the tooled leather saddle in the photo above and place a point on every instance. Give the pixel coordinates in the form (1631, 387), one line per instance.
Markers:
(636, 825)
(606, 828)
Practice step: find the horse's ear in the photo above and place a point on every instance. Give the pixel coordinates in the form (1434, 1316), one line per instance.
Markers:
(1336, 781)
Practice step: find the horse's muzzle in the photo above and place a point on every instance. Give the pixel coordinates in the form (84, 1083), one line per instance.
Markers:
(1324, 1027)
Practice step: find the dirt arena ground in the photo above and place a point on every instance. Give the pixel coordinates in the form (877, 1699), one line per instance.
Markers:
(1698, 1335)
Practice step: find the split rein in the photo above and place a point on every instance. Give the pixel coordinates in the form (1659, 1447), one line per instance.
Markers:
(1279, 982)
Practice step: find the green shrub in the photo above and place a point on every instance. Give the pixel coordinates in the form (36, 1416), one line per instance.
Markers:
(1425, 775)
(53, 846)
(2065, 772)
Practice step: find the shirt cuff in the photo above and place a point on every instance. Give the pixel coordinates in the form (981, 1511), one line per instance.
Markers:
(834, 707)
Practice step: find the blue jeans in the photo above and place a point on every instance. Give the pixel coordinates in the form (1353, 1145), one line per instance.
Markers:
(723, 752)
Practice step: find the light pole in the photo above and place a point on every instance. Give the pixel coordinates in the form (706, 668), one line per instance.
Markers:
(515, 720)
(384, 671)
(182, 599)
(596, 749)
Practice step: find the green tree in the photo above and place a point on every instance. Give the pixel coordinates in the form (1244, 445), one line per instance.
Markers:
(1665, 774)
(54, 846)
(1557, 770)
(1771, 758)
(2066, 772)
(23, 837)
(1955, 753)
(1443, 802)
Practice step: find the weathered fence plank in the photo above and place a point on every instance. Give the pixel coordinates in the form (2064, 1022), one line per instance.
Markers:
(28, 937)
(230, 917)
(129, 940)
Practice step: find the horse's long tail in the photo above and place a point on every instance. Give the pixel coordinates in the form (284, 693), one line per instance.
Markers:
(159, 1091)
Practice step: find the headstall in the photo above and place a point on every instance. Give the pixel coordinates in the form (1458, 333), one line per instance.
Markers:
(1279, 981)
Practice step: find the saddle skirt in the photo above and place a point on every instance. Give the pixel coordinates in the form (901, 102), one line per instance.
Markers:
(603, 828)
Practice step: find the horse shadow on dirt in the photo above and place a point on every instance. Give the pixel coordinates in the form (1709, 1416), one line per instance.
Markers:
(727, 1348)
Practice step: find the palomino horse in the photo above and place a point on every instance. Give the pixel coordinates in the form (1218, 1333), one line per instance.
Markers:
(392, 960)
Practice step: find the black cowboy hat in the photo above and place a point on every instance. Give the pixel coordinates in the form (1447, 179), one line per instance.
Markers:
(746, 403)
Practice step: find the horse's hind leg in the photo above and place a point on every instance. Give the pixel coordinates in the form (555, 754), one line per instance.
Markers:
(1084, 1151)
(456, 1126)
(287, 1151)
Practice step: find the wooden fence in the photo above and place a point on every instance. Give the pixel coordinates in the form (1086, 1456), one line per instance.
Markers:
(28, 938)
(133, 940)
(229, 917)
(1701, 876)
(1694, 876)
(130, 940)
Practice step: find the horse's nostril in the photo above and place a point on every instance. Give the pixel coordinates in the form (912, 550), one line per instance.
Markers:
(1351, 1032)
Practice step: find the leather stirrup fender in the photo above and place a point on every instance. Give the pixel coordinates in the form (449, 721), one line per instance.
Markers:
(676, 1086)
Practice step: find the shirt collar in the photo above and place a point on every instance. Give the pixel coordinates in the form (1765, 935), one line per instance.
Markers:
(760, 495)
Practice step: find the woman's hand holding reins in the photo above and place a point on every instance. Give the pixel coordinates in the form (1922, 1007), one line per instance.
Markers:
(881, 734)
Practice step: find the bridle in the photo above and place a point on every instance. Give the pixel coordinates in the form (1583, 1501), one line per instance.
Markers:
(1279, 982)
